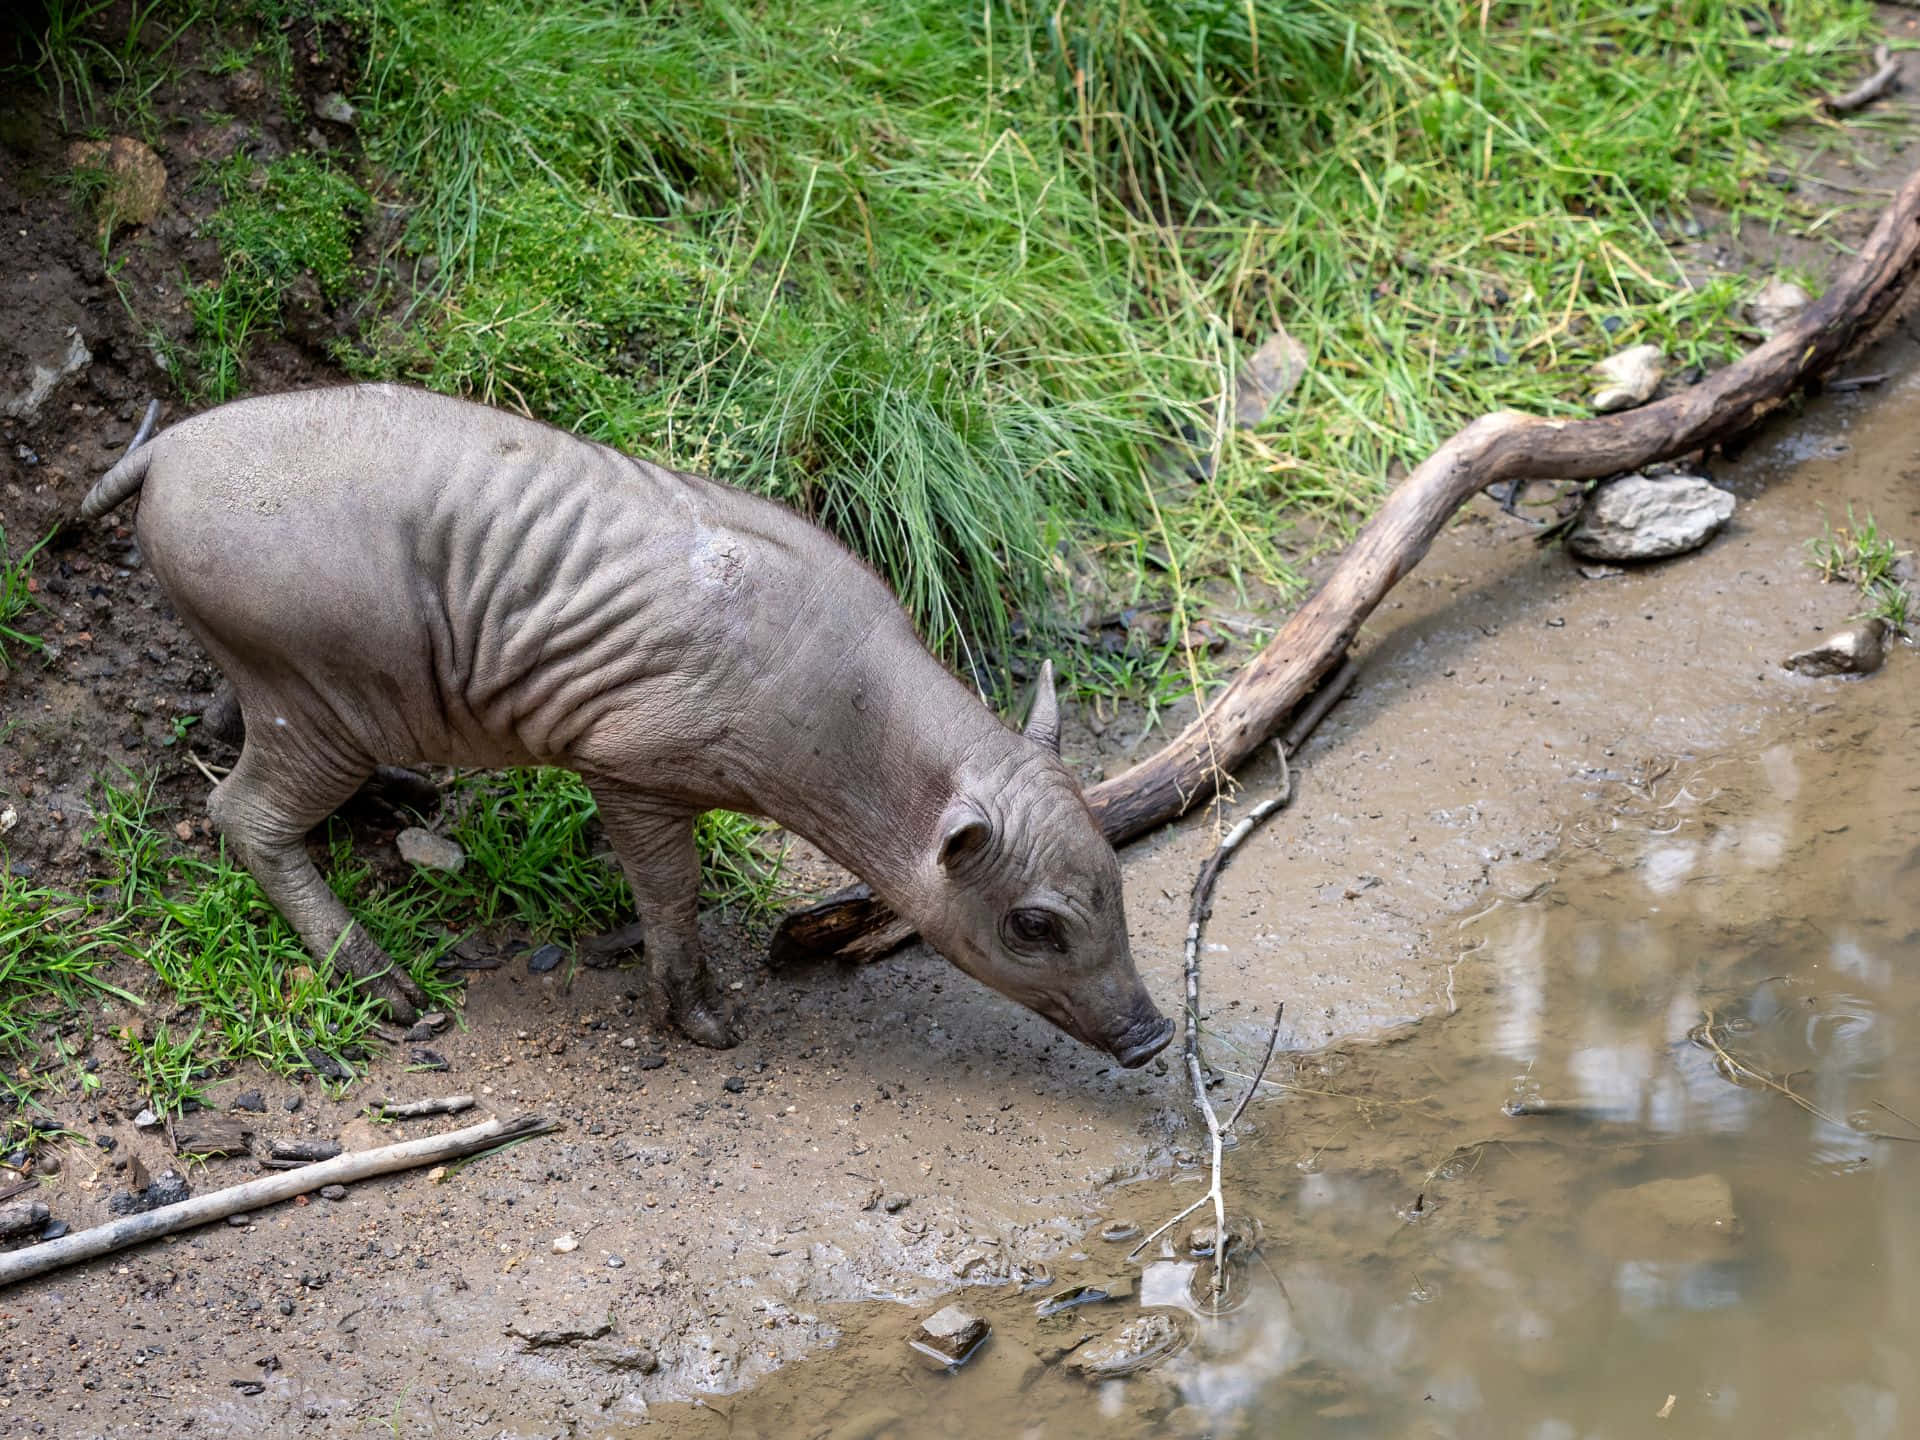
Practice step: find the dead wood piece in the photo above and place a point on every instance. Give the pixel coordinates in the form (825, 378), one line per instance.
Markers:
(419, 1109)
(1497, 448)
(212, 1134)
(269, 1190)
(1885, 77)
(303, 1152)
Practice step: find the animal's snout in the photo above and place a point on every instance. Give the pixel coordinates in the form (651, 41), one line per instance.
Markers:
(1142, 1041)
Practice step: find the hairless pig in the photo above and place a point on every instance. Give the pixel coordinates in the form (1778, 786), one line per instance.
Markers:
(387, 575)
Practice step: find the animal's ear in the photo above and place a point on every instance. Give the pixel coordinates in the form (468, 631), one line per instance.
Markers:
(964, 832)
(1043, 720)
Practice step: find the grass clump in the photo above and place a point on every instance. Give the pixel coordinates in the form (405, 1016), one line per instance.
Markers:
(16, 598)
(245, 989)
(1863, 555)
(53, 950)
(953, 280)
(290, 223)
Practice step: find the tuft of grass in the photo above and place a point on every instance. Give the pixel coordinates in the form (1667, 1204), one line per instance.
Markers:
(16, 597)
(240, 978)
(53, 950)
(1863, 555)
(293, 220)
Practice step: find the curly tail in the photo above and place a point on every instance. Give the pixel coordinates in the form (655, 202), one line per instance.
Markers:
(114, 487)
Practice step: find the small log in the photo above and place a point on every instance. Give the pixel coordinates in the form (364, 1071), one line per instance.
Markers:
(269, 1190)
(1885, 77)
(1501, 447)
(303, 1152)
(212, 1134)
(420, 1109)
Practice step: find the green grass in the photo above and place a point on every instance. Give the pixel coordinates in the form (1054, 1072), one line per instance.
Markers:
(53, 950)
(16, 599)
(290, 221)
(1861, 554)
(243, 989)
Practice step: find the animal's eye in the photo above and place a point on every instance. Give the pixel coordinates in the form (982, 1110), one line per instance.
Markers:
(1033, 928)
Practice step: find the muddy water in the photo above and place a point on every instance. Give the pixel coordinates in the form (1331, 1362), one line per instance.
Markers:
(1639, 1181)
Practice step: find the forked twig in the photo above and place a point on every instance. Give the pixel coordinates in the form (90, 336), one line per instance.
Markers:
(1741, 1073)
(1199, 910)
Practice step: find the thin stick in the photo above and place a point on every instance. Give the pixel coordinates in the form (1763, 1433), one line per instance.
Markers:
(1317, 706)
(1199, 910)
(270, 1190)
(418, 1109)
(1253, 1086)
(1739, 1071)
(1870, 89)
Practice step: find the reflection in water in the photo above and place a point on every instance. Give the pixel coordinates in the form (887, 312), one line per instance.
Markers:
(1669, 1239)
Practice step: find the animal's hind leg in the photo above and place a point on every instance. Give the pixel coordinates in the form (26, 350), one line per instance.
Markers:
(265, 809)
(396, 784)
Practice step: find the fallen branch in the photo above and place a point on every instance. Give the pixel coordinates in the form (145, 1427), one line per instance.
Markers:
(236, 1199)
(419, 1109)
(1883, 79)
(1501, 447)
(1199, 911)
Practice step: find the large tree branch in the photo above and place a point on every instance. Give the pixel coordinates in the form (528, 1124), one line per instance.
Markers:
(1505, 446)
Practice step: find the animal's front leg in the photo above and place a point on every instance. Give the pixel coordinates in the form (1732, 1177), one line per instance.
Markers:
(662, 866)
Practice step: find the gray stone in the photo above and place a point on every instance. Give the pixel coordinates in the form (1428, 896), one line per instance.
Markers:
(616, 1355)
(1269, 376)
(428, 851)
(1775, 303)
(1134, 1345)
(950, 1335)
(1628, 378)
(1645, 517)
(67, 355)
(146, 1120)
(546, 1333)
(1857, 650)
(335, 107)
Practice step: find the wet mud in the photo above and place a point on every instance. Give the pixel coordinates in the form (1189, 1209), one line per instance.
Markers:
(1519, 741)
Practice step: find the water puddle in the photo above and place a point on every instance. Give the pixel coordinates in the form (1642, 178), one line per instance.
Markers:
(1641, 1181)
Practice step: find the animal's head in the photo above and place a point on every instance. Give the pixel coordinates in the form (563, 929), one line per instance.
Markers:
(1027, 897)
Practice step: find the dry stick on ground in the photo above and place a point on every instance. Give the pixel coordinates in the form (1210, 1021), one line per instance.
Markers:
(202, 1209)
(1885, 76)
(1504, 446)
(1199, 910)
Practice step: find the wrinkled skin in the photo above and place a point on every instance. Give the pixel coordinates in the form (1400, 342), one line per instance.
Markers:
(387, 576)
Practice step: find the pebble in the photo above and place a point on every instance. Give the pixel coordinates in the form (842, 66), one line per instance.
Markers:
(546, 958)
(1775, 304)
(1857, 650)
(565, 1244)
(251, 1100)
(293, 1103)
(1120, 1230)
(1630, 378)
(47, 1164)
(1647, 517)
(333, 1192)
(240, 1221)
(895, 1203)
(427, 851)
(950, 1335)
(286, 1307)
(614, 1262)
(733, 1084)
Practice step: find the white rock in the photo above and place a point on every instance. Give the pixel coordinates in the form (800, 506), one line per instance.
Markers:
(950, 1335)
(66, 356)
(1644, 517)
(1631, 378)
(335, 107)
(1775, 303)
(565, 1244)
(145, 1120)
(1857, 650)
(9, 818)
(428, 851)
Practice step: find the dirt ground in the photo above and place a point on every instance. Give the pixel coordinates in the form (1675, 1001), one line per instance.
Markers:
(887, 1131)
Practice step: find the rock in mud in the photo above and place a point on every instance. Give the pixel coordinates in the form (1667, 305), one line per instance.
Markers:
(48, 362)
(1135, 1345)
(21, 1217)
(618, 1356)
(1775, 303)
(335, 107)
(1685, 1220)
(1646, 517)
(146, 1120)
(950, 1335)
(1628, 378)
(425, 850)
(131, 180)
(547, 957)
(169, 1189)
(543, 1334)
(1857, 650)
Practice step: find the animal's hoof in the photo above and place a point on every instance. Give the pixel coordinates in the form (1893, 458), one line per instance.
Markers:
(399, 994)
(706, 1024)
